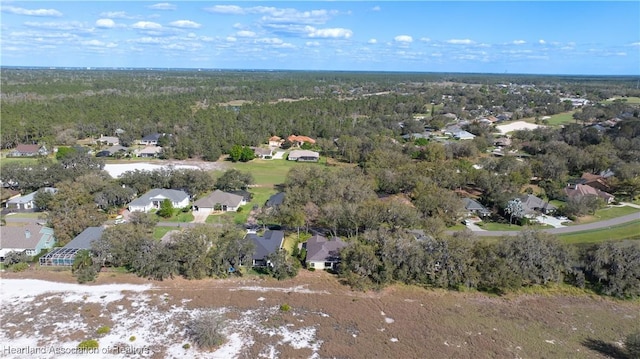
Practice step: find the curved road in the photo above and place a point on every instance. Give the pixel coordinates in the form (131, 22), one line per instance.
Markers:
(571, 229)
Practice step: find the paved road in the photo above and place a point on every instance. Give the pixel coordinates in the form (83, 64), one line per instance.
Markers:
(571, 229)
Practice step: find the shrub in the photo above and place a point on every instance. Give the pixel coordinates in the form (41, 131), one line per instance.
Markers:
(132, 338)
(632, 345)
(89, 344)
(206, 330)
(19, 267)
(285, 308)
(311, 269)
(186, 346)
(103, 330)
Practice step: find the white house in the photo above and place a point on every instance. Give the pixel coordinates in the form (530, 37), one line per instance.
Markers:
(303, 156)
(219, 201)
(154, 198)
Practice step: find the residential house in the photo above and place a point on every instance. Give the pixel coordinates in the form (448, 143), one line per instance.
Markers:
(304, 156)
(66, 255)
(581, 190)
(474, 208)
(27, 202)
(151, 139)
(24, 150)
(7, 194)
(154, 198)
(246, 195)
(533, 206)
(107, 140)
(113, 150)
(463, 135)
(323, 253)
(30, 239)
(300, 140)
(275, 200)
(268, 243)
(219, 201)
(593, 180)
(263, 153)
(502, 142)
(275, 141)
(148, 151)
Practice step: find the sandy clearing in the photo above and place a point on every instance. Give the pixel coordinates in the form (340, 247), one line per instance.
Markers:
(516, 126)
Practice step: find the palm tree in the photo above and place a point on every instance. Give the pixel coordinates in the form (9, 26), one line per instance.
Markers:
(83, 260)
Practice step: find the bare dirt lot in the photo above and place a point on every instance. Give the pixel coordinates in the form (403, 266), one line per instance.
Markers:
(326, 320)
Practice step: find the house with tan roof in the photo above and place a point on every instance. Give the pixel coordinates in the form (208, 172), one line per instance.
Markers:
(275, 141)
(219, 201)
(300, 140)
(323, 253)
(30, 239)
(581, 190)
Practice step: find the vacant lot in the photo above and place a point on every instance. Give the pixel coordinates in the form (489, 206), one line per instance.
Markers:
(326, 319)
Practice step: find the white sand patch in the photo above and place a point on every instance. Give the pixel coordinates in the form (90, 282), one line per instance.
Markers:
(261, 299)
(388, 320)
(393, 340)
(20, 289)
(297, 289)
(116, 170)
(517, 126)
(143, 325)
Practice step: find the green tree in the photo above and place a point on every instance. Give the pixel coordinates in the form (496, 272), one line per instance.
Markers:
(166, 209)
(282, 266)
(233, 180)
(83, 268)
(632, 345)
(235, 154)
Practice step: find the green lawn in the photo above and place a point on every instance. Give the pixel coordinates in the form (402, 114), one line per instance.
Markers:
(492, 226)
(179, 216)
(607, 213)
(629, 100)
(159, 232)
(629, 230)
(22, 160)
(561, 119)
(271, 172)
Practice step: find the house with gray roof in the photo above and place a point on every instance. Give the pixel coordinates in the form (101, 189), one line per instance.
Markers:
(154, 198)
(323, 253)
(304, 156)
(270, 242)
(219, 201)
(66, 255)
(27, 202)
(29, 238)
(533, 206)
(474, 207)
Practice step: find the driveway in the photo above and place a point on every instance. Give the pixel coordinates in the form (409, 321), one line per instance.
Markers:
(200, 216)
(552, 221)
(279, 155)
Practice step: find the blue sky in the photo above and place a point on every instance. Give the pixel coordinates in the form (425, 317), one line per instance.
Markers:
(541, 37)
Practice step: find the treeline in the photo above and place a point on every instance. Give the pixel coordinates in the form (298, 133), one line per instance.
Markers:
(381, 257)
(193, 253)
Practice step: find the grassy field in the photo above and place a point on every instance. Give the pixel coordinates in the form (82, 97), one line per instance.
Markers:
(629, 230)
(607, 213)
(561, 119)
(491, 226)
(159, 232)
(631, 100)
(179, 216)
(271, 172)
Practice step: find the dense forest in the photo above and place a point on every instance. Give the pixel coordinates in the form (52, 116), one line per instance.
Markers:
(382, 184)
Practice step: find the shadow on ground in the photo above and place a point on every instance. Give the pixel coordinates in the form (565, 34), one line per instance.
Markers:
(608, 349)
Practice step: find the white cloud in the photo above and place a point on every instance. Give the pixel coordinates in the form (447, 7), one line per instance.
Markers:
(375, 8)
(162, 6)
(406, 39)
(185, 24)
(117, 15)
(312, 43)
(328, 33)
(63, 25)
(146, 25)
(277, 15)
(372, 41)
(460, 41)
(518, 42)
(105, 23)
(635, 44)
(425, 39)
(542, 42)
(226, 9)
(245, 33)
(231, 39)
(28, 12)
(98, 43)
